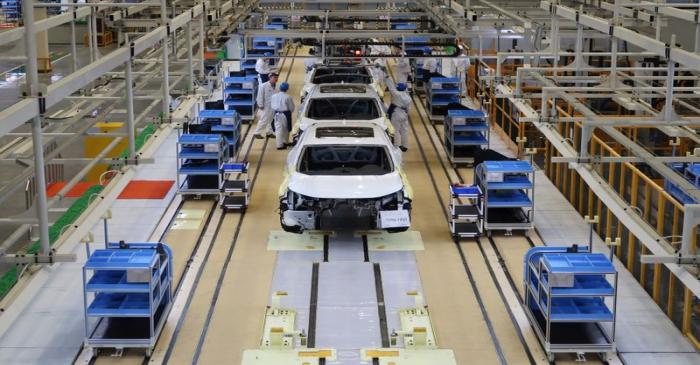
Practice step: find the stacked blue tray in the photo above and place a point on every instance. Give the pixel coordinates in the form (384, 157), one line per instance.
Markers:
(239, 94)
(224, 122)
(441, 92)
(508, 194)
(198, 159)
(466, 132)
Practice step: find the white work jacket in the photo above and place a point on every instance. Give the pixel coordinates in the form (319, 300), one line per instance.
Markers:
(282, 102)
(262, 66)
(265, 92)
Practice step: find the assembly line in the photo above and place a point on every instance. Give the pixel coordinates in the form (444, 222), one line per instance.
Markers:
(327, 182)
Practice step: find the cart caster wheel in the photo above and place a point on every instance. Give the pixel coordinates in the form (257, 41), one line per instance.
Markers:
(550, 358)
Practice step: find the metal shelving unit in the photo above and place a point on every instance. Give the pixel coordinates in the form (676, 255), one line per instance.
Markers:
(440, 93)
(417, 47)
(571, 300)
(466, 211)
(224, 122)
(235, 185)
(466, 131)
(199, 157)
(261, 45)
(10, 13)
(127, 293)
(239, 95)
(509, 194)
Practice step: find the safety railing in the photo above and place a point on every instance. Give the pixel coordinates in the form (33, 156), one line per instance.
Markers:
(651, 201)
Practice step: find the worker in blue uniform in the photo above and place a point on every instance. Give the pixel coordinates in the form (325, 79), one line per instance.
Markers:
(398, 112)
(282, 106)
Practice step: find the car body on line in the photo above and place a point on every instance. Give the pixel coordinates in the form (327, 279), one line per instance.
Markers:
(342, 74)
(344, 170)
(341, 103)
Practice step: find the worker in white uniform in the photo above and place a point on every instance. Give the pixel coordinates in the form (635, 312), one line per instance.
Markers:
(400, 103)
(430, 65)
(309, 63)
(403, 70)
(263, 100)
(262, 67)
(461, 64)
(283, 106)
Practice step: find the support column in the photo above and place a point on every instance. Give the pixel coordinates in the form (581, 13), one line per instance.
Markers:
(42, 43)
(188, 44)
(90, 45)
(130, 124)
(166, 81)
(668, 105)
(37, 139)
(95, 44)
(73, 48)
(201, 45)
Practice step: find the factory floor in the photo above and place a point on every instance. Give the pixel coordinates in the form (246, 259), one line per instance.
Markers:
(474, 310)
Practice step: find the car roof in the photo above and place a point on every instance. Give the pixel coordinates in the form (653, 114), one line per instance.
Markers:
(343, 91)
(312, 136)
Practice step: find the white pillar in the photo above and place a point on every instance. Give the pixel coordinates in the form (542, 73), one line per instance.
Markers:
(37, 140)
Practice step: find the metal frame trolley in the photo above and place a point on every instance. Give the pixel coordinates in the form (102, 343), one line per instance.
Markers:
(235, 185)
(199, 158)
(571, 300)
(466, 211)
(466, 131)
(509, 194)
(440, 93)
(127, 295)
(239, 95)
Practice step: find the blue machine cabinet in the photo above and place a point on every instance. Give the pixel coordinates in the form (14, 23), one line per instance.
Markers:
(127, 294)
(466, 132)
(440, 93)
(239, 95)
(509, 194)
(571, 299)
(199, 157)
(466, 211)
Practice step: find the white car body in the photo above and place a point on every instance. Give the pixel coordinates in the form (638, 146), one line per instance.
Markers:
(344, 168)
(367, 75)
(341, 93)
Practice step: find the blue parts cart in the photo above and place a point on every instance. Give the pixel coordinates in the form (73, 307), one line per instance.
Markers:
(509, 194)
(127, 295)
(571, 299)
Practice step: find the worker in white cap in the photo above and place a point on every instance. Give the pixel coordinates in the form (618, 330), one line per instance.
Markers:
(398, 110)
(262, 67)
(263, 100)
(282, 106)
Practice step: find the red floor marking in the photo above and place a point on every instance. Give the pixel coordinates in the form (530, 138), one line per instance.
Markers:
(77, 190)
(146, 189)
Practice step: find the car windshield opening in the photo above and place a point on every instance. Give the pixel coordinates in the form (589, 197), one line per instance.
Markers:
(343, 108)
(354, 75)
(345, 160)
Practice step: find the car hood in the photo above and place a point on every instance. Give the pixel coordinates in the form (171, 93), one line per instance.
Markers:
(344, 186)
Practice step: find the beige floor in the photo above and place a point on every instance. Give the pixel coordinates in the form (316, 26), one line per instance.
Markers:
(237, 316)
